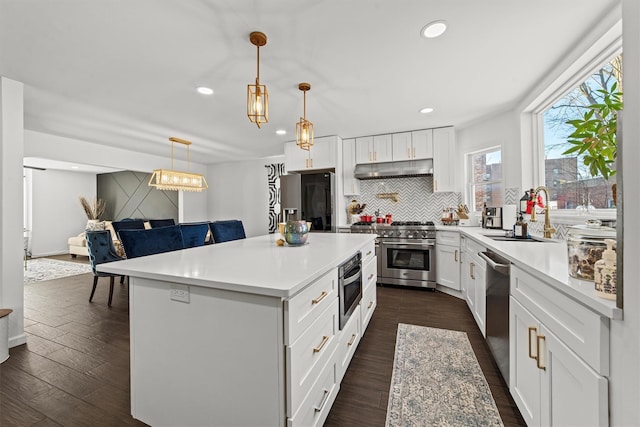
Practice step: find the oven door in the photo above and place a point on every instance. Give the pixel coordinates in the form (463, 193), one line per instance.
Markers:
(408, 259)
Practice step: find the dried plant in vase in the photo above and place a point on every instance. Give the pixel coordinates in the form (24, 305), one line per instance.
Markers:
(93, 209)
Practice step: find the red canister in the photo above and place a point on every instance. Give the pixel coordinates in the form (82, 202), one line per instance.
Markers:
(379, 220)
(388, 218)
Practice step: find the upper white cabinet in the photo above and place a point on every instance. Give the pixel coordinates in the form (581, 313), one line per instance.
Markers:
(444, 140)
(414, 145)
(374, 149)
(321, 156)
(350, 185)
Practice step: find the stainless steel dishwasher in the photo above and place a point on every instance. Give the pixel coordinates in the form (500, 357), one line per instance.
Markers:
(497, 325)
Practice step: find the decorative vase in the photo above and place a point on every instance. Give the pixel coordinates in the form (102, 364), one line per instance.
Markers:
(296, 232)
(94, 224)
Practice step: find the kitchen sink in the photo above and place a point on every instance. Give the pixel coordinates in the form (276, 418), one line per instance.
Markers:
(513, 239)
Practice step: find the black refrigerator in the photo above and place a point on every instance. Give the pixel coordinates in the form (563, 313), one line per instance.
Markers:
(309, 196)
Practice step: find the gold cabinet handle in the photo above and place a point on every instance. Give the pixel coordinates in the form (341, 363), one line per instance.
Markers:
(370, 305)
(353, 338)
(325, 338)
(320, 298)
(368, 253)
(323, 402)
(408, 152)
(535, 332)
(455, 256)
(538, 358)
(370, 277)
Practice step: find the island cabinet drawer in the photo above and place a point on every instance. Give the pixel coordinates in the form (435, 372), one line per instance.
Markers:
(316, 406)
(308, 355)
(368, 305)
(306, 306)
(369, 272)
(579, 328)
(347, 342)
(368, 251)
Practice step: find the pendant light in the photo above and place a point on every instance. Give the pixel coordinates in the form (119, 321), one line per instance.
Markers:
(304, 128)
(257, 95)
(172, 180)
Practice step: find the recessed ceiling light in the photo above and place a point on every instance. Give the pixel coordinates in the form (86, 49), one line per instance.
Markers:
(205, 90)
(281, 132)
(426, 110)
(433, 29)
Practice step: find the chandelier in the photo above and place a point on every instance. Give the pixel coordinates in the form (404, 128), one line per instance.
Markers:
(304, 128)
(169, 179)
(257, 95)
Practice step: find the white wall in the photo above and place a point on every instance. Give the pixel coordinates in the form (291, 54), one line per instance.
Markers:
(240, 190)
(56, 211)
(624, 385)
(37, 144)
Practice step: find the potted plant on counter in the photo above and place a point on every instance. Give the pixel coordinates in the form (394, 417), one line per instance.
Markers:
(93, 209)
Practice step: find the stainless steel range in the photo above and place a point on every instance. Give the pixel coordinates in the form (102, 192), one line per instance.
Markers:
(405, 250)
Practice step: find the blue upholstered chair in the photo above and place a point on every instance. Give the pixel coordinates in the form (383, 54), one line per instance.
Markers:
(127, 224)
(225, 231)
(101, 250)
(194, 234)
(155, 223)
(137, 243)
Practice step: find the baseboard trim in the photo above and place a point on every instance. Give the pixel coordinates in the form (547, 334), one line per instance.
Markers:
(17, 340)
(449, 291)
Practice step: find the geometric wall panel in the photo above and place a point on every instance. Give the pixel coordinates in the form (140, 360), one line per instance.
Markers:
(274, 172)
(128, 195)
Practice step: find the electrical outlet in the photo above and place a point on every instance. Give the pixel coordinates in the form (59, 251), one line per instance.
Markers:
(179, 293)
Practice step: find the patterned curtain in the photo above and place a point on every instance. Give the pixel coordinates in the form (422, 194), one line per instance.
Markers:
(274, 171)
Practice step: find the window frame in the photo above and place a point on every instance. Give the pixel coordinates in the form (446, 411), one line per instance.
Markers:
(470, 196)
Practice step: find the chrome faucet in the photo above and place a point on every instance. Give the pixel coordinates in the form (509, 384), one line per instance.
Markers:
(548, 230)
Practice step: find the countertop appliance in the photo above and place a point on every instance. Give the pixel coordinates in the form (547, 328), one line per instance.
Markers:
(492, 217)
(349, 287)
(497, 309)
(309, 196)
(406, 252)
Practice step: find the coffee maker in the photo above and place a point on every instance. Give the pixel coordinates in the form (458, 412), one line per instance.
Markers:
(492, 217)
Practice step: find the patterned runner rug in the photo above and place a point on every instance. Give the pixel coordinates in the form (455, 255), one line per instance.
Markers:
(46, 269)
(437, 381)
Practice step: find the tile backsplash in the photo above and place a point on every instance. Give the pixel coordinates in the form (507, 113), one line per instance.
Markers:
(416, 199)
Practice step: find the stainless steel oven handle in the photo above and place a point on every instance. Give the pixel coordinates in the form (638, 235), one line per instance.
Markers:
(396, 244)
(352, 278)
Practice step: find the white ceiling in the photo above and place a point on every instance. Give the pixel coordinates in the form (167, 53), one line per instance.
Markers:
(123, 73)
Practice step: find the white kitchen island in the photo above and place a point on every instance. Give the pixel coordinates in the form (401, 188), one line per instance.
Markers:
(238, 333)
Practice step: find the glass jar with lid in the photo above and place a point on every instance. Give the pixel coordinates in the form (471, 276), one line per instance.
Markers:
(585, 246)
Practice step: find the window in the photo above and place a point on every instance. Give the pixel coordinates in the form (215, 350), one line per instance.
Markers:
(571, 184)
(485, 174)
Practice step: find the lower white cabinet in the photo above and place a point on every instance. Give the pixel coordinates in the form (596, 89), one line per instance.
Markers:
(558, 356)
(473, 281)
(448, 259)
(349, 340)
(551, 385)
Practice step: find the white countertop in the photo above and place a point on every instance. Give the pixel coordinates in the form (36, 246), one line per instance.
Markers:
(546, 261)
(254, 265)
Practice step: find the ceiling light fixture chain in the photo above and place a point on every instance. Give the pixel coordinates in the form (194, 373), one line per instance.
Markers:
(257, 94)
(304, 128)
(172, 180)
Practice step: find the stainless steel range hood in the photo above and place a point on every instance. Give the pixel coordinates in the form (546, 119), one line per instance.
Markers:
(394, 169)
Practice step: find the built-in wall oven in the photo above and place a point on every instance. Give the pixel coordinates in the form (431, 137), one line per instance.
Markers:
(349, 287)
(405, 251)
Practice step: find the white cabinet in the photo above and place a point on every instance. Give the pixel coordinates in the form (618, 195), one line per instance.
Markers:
(349, 340)
(374, 149)
(322, 155)
(444, 169)
(422, 143)
(558, 356)
(413, 145)
(369, 278)
(473, 279)
(448, 259)
(350, 185)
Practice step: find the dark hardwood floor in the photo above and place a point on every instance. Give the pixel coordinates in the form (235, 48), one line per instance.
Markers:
(364, 392)
(74, 369)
